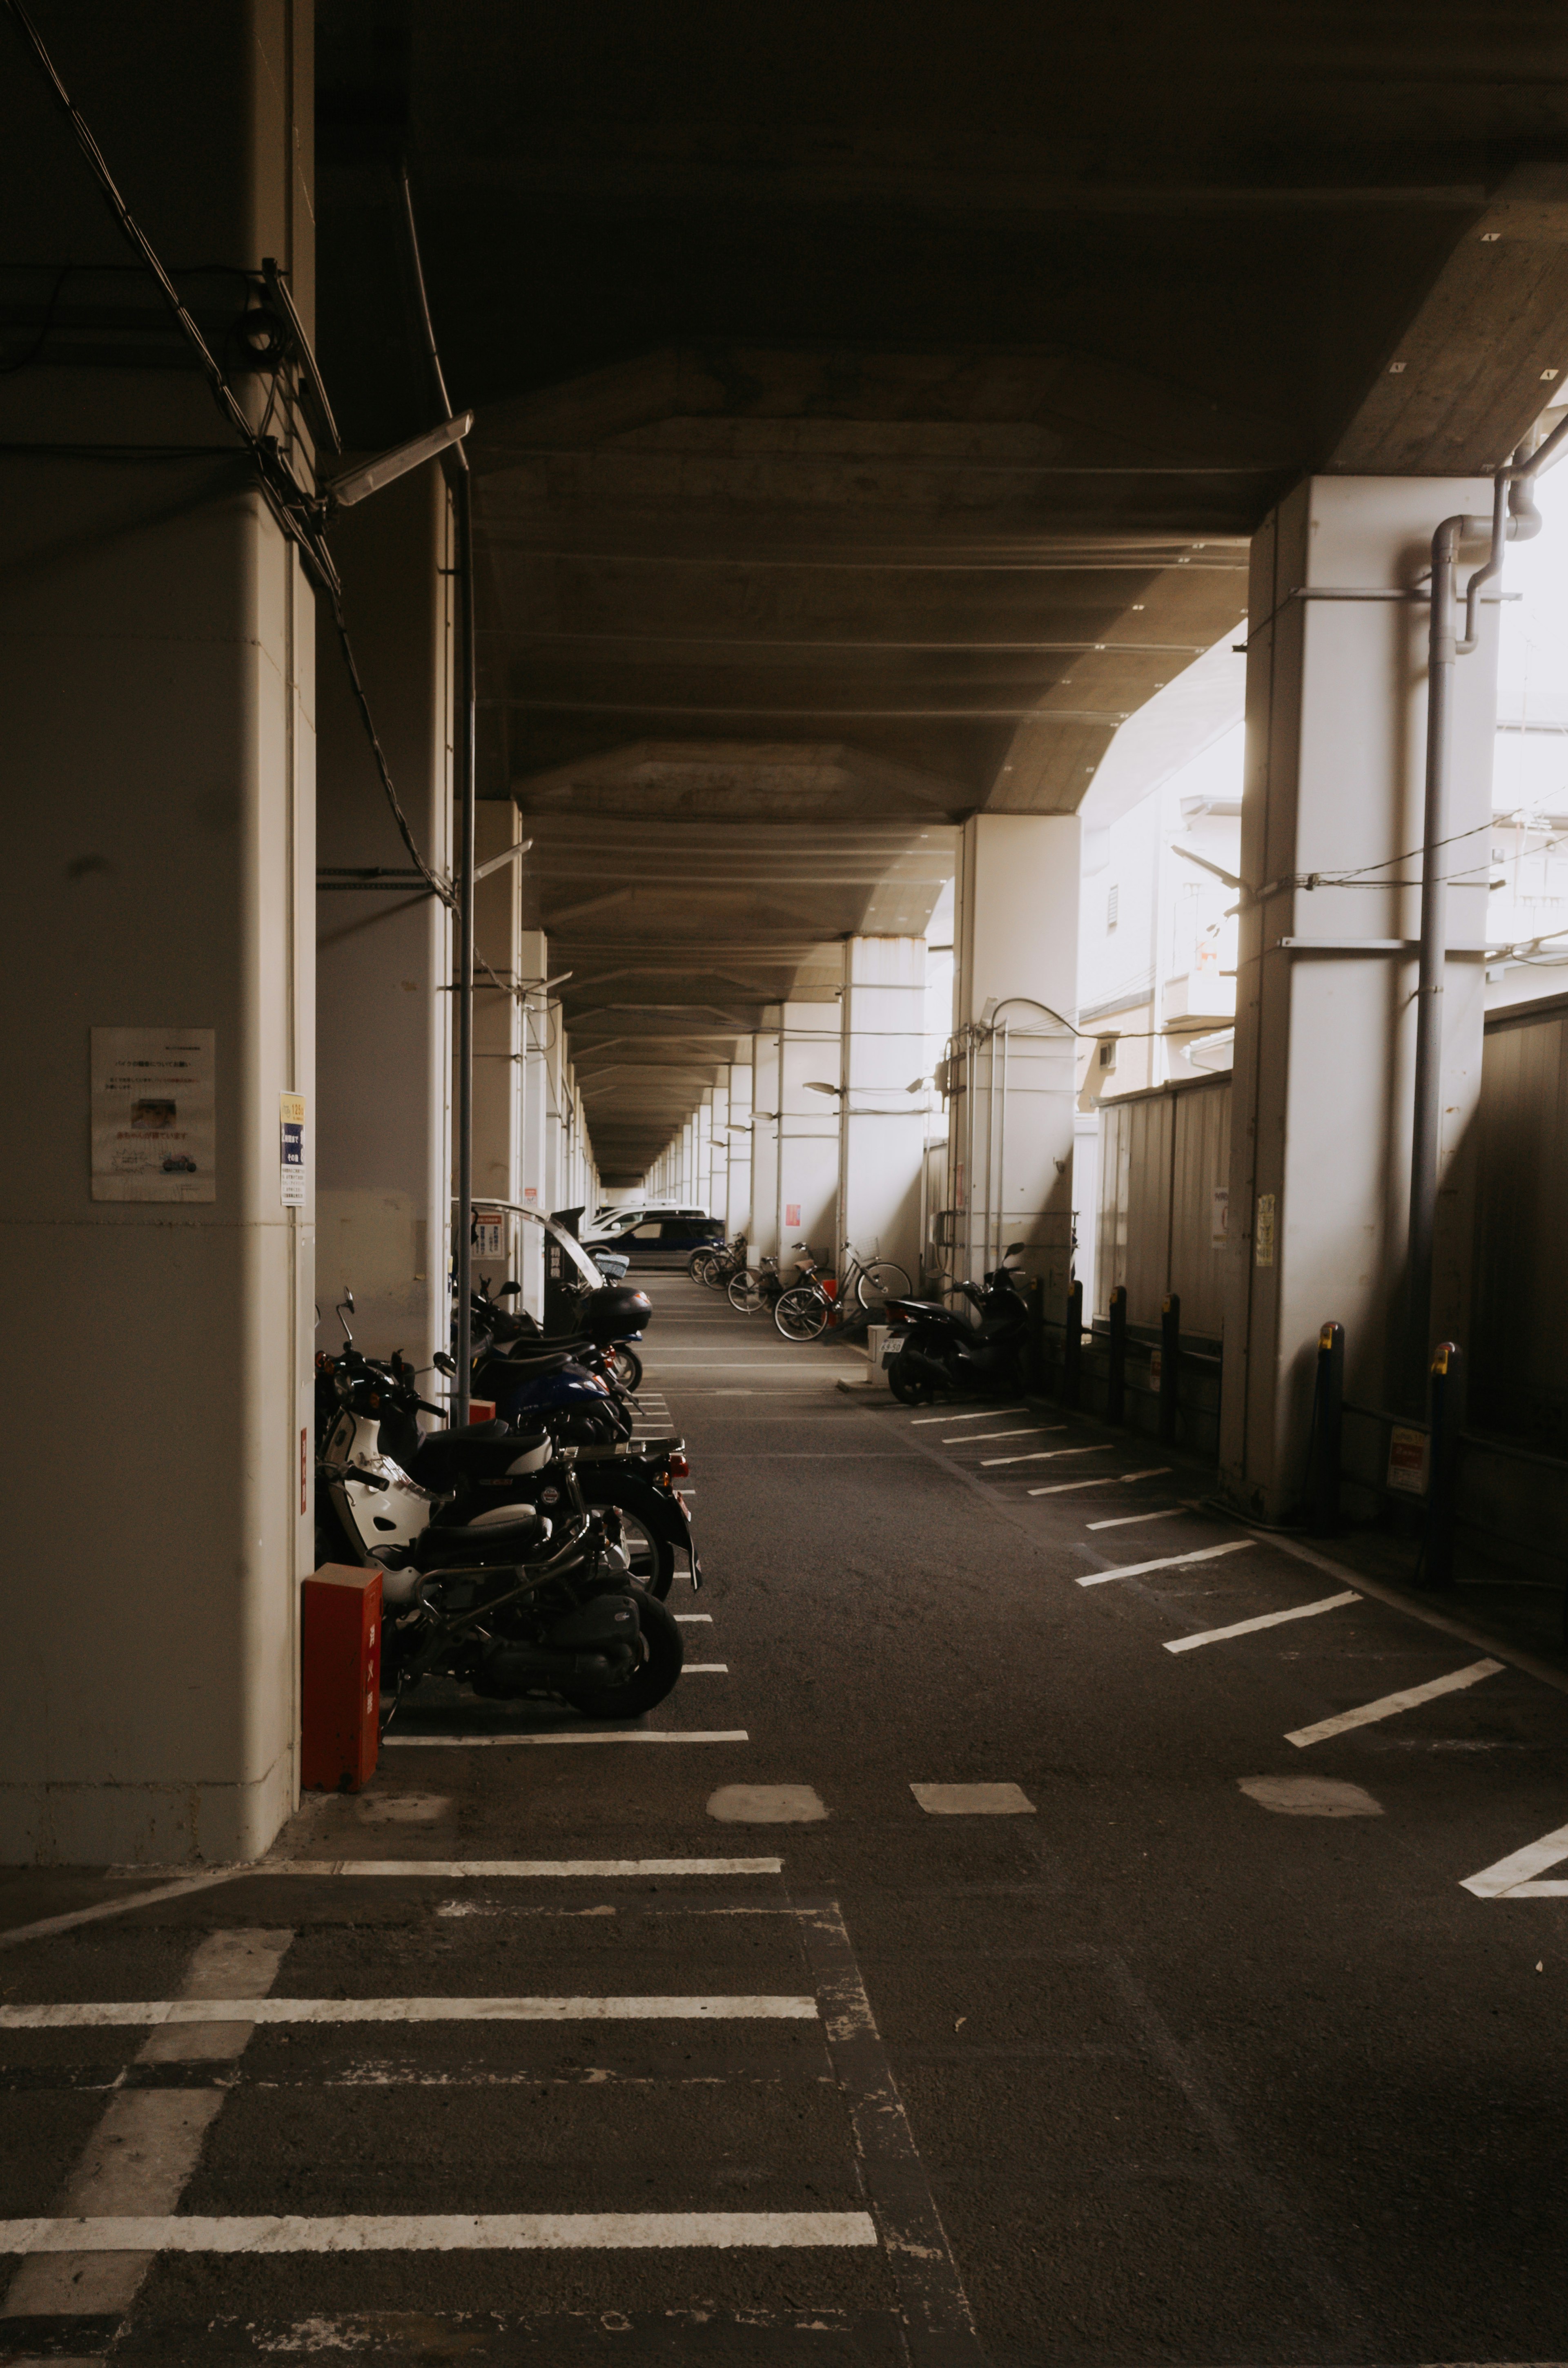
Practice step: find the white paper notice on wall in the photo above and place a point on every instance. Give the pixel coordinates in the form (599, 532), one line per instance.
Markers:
(155, 1128)
(1263, 1236)
(291, 1149)
(1219, 1216)
(489, 1233)
(792, 1214)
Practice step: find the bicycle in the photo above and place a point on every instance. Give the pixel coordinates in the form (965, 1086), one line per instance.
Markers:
(805, 1312)
(759, 1286)
(711, 1261)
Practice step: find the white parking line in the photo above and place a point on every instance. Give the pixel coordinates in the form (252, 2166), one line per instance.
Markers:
(695, 1619)
(986, 1414)
(1265, 1620)
(100, 2014)
(1515, 1877)
(1132, 1520)
(1167, 1561)
(979, 1438)
(1387, 1705)
(1154, 1472)
(486, 1870)
(607, 1734)
(1042, 1455)
(482, 2232)
(706, 1669)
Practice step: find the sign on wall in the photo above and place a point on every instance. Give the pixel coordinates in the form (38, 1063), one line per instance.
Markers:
(291, 1149)
(153, 1114)
(1219, 1216)
(489, 1233)
(1262, 1232)
(792, 1213)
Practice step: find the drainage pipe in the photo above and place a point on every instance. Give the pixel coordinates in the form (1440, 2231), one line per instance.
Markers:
(1512, 485)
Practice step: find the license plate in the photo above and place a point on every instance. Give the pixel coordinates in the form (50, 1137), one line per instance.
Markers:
(891, 1349)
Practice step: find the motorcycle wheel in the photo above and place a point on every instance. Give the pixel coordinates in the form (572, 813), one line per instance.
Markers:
(744, 1291)
(906, 1389)
(662, 1654)
(799, 1313)
(653, 1555)
(627, 1366)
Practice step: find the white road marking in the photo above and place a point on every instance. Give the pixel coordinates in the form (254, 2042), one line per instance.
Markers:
(1387, 1705)
(1515, 1877)
(694, 1619)
(979, 1438)
(48, 1926)
(1131, 1520)
(767, 1805)
(973, 1800)
(1111, 1479)
(1043, 1455)
(1265, 1620)
(1167, 1561)
(486, 2232)
(1310, 1796)
(101, 2014)
(488, 1869)
(986, 1414)
(706, 1669)
(610, 1735)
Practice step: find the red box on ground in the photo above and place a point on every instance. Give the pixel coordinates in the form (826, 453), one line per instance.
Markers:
(340, 1647)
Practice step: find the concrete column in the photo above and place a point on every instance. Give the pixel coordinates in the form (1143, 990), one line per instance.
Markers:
(156, 766)
(809, 1050)
(718, 1192)
(498, 1028)
(384, 961)
(1320, 1157)
(737, 1207)
(702, 1152)
(881, 1124)
(533, 969)
(765, 1135)
(1010, 1121)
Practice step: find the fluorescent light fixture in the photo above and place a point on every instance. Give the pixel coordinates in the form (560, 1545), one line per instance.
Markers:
(355, 484)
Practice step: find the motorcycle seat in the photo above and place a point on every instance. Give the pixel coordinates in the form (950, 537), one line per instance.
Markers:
(481, 1447)
(532, 1365)
(443, 1547)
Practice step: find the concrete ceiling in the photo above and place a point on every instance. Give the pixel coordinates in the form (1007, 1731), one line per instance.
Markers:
(874, 406)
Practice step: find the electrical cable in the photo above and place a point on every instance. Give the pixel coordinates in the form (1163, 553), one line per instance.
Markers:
(280, 497)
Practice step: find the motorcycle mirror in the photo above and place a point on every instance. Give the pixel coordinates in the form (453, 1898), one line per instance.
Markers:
(444, 1364)
(509, 1291)
(1013, 1249)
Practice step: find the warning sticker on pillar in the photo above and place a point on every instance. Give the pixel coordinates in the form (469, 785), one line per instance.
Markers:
(155, 1127)
(489, 1233)
(1262, 1232)
(291, 1149)
(791, 1212)
(1407, 1460)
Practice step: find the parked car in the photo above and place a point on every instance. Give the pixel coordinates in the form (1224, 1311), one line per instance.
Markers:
(655, 1237)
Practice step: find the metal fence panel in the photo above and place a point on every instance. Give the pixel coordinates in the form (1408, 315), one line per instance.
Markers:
(1517, 1377)
(1201, 1168)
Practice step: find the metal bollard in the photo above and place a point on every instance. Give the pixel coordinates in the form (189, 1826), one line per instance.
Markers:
(1116, 1386)
(1170, 1367)
(1437, 1551)
(1328, 1424)
(1073, 1348)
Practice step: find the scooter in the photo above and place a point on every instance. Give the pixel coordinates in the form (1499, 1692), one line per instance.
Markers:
(479, 1599)
(932, 1351)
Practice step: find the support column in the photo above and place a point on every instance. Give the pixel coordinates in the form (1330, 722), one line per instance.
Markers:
(764, 1136)
(498, 1029)
(717, 1200)
(809, 1051)
(157, 769)
(533, 969)
(881, 1124)
(737, 1212)
(1010, 1120)
(1324, 1079)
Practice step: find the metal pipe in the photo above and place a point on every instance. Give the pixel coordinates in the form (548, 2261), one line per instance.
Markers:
(463, 511)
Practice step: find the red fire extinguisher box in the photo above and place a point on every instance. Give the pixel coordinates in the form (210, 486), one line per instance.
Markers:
(340, 1643)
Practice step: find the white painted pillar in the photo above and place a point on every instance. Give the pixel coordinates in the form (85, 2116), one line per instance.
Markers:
(157, 773)
(738, 1210)
(703, 1177)
(882, 1125)
(765, 1135)
(1320, 1121)
(533, 968)
(807, 1183)
(498, 1031)
(1010, 1124)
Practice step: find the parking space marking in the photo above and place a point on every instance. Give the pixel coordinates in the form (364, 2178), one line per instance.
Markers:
(1042, 1455)
(495, 1870)
(706, 1669)
(1389, 1705)
(1264, 1620)
(47, 1926)
(113, 2014)
(693, 1618)
(985, 1414)
(1131, 1520)
(483, 2232)
(1110, 1480)
(979, 1438)
(1515, 1877)
(1167, 1561)
(599, 1735)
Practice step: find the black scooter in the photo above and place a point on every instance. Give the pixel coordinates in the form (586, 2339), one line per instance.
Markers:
(932, 1351)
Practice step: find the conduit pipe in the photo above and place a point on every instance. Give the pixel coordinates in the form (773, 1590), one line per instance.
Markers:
(1514, 518)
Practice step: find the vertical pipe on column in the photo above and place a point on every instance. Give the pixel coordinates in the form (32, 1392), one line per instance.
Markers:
(1073, 1348)
(1170, 1368)
(1427, 1123)
(464, 505)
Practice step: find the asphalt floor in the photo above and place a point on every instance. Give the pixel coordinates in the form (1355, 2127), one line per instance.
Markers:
(950, 1971)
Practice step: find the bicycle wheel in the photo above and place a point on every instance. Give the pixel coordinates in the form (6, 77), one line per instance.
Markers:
(744, 1291)
(801, 1314)
(884, 1279)
(699, 1266)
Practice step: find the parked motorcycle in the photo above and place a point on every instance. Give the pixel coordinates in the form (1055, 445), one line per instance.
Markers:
(933, 1351)
(490, 1597)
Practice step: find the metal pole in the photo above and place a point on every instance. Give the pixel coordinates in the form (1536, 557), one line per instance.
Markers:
(1116, 1381)
(1328, 1419)
(1073, 1348)
(1438, 1556)
(1426, 1120)
(1170, 1368)
(464, 510)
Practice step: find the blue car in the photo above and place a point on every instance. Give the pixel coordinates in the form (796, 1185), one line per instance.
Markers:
(654, 1237)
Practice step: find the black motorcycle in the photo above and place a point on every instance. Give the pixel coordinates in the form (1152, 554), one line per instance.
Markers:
(933, 1351)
